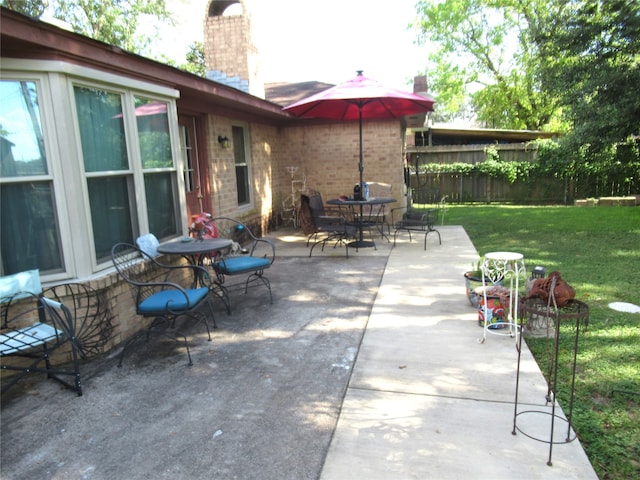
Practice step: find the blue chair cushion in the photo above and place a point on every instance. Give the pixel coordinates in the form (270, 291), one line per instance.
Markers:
(172, 300)
(235, 265)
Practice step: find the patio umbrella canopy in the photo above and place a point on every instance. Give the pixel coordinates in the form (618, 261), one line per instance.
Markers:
(358, 99)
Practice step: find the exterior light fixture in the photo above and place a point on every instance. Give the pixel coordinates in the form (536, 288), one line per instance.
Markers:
(223, 141)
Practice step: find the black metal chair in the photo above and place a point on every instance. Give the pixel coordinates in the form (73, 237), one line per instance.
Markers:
(38, 336)
(417, 221)
(248, 257)
(324, 224)
(90, 313)
(158, 293)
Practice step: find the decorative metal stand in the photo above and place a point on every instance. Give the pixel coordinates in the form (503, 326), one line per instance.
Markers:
(496, 267)
(291, 204)
(575, 312)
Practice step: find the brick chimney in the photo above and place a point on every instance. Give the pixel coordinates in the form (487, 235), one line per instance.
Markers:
(420, 84)
(230, 55)
(418, 120)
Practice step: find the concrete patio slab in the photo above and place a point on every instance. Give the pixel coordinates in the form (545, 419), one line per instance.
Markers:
(366, 367)
(427, 399)
(395, 435)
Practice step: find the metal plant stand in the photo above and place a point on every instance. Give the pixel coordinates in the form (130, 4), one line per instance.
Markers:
(291, 204)
(496, 267)
(574, 314)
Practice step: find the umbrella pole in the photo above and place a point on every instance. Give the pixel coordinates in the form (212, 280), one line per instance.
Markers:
(361, 168)
(361, 242)
(361, 165)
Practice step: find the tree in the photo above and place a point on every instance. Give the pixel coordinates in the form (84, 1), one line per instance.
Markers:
(195, 60)
(483, 56)
(32, 8)
(590, 58)
(117, 22)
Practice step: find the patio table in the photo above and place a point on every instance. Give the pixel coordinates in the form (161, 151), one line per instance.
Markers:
(194, 250)
(359, 220)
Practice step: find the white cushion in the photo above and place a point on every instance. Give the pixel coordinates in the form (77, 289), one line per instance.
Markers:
(148, 244)
(23, 283)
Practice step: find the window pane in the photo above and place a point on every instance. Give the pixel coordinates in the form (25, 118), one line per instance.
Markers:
(22, 150)
(153, 133)
(110, 213)
(189, 173)
(161, 204)
(101, 130)
(242, 169)
(238, 145)
(242, 184)
(30, 237)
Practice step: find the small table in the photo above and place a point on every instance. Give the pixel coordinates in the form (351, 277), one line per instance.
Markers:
(497, 266)
(194, 249)
(360, 242)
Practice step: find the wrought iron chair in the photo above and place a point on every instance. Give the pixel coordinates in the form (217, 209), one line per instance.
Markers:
(417, 221)
(38, 336)
(324, 224)
(90, 313)
(158, 294)
(249, 257)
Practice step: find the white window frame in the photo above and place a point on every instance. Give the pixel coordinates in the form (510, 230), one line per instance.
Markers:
(56, 81)
(54, 171)
(247, 155)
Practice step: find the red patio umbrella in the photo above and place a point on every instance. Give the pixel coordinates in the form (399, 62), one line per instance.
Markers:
(358, 99)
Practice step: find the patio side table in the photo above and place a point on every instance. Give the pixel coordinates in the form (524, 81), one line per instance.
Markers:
(505, 266)
(569, 318)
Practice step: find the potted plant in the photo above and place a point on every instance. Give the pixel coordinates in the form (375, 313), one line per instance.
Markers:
(473, 280)
(497, 308)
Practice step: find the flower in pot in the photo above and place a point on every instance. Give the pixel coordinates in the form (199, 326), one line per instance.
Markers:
(497, 307)
(473, 280)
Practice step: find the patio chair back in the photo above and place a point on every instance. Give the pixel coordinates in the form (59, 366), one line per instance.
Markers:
(417, 221)
(331, 222)
(90, 313)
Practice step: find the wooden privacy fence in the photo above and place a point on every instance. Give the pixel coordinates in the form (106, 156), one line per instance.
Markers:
(474, 185)
(477, 187)
(429, 187)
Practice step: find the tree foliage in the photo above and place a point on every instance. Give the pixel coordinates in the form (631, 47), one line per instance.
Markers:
(195, 60)
(590, 58)
(32, 8)
(483, 56)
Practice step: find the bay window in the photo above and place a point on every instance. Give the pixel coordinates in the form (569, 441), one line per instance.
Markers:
(83, 165)
(30, 235)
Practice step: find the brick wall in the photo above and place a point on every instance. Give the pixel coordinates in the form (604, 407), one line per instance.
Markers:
(329, 155)
(265, 147)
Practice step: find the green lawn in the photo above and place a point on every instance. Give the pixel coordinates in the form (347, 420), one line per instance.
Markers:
(597, 250)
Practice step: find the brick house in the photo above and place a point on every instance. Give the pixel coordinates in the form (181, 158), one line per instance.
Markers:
(100, 145)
